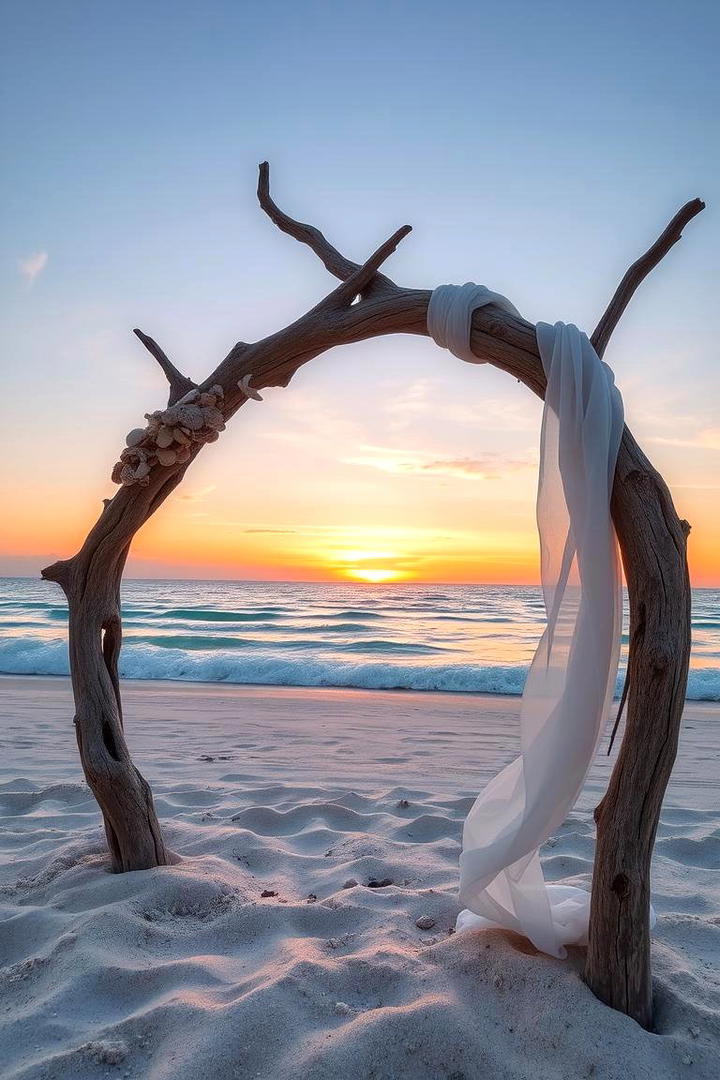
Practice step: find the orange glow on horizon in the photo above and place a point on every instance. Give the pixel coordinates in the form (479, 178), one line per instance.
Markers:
(194, 539)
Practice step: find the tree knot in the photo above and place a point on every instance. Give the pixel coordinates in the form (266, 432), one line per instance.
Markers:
(621, 886)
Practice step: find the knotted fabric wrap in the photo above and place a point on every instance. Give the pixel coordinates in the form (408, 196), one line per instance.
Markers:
(450, 312)
(572, 676)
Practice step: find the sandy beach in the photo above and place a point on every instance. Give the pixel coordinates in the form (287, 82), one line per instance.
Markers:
(273, 948)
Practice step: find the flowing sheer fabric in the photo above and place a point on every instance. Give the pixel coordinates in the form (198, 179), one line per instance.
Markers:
(572, 677)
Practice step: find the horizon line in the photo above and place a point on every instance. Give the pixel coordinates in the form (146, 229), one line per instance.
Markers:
(332, 581)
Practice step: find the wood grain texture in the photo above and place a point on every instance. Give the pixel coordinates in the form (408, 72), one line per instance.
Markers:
(652, 541)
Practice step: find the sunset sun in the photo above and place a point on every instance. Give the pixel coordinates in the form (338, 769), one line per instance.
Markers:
(372, 566)
(373, 574)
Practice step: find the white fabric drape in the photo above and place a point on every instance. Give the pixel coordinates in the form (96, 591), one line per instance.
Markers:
(572, 677)
(450, 311)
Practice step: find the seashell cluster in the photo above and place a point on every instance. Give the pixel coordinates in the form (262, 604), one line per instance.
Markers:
(170, 436)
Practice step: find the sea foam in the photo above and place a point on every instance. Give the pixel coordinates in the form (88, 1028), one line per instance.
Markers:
(27, 656)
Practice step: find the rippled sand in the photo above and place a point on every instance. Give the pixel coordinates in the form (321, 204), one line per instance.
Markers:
(189, 971)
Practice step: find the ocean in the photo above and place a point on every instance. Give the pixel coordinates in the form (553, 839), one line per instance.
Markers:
(468, 638)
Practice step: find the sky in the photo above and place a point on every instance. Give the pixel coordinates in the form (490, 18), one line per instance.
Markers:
(536, 148)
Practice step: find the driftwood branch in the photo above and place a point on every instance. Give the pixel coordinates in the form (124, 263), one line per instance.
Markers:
(634, 277)
(653, 544)
(330, 257)
(358, 281)
(639, 271)
(652, 540)
(179, 383)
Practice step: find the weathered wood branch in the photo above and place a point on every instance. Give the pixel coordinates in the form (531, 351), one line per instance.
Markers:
(640, 270)
(652, 541)
(634, 277)
(179, 383)
(357, 282)
(330, 257)
(274, 360)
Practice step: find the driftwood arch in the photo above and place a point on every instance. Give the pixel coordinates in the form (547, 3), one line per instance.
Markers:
(652, 538)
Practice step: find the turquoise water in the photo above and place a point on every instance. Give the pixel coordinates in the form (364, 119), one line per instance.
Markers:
(421, 637)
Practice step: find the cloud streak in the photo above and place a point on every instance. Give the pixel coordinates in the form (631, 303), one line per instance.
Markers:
(32, 266)
(484, 467)
(197, 496)
(707, 439)
(277, 532)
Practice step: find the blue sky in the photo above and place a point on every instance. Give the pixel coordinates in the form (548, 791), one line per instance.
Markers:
(535, 147)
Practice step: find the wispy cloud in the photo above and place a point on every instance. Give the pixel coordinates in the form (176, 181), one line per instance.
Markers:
(33, 265)
(197, 496)
(277, 532)
(433, 397)
(386, 559)
(707, 439)
(489, 467)
(418, 397)
(484, 467)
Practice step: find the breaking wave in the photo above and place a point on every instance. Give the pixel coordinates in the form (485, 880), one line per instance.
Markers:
(28, 656)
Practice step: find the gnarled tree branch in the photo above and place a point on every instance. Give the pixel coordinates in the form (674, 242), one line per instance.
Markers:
(274, 360)
(634, 277)
(639, 271)
(330, 257)
(179, 383)
(361, 278)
